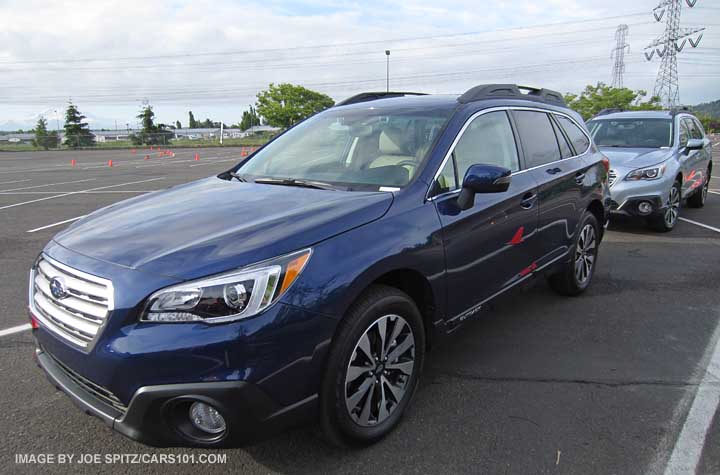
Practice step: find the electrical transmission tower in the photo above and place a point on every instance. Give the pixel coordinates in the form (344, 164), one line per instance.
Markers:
(668, 45)
(618, 53)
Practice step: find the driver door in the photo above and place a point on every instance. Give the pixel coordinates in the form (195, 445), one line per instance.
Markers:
(492, 245)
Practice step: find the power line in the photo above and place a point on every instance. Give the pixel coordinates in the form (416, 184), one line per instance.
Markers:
(320, 46)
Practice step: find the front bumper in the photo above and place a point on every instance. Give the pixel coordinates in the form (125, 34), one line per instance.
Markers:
(155, 413)
(630, 205)
(626, 195)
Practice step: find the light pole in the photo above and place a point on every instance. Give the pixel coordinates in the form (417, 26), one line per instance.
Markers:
(387, 71)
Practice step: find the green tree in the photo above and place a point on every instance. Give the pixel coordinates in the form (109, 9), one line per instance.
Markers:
(43, 138)
(77, 132)
(250, 118)
(191, 121)
(601, 96)
(284, 105)
(178, 125)
(709, 123)
(151, 134)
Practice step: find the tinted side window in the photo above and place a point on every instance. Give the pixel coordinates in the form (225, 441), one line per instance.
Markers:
(694, 130)
(700, 128)
(565, 150)
(577, 137)
(487, 140)
(446, 180)
(538, 137)
(684, 133)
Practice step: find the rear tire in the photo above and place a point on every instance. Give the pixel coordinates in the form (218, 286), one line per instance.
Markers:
(697, 200)
(575, 276)
(373, 368)
(666, 221)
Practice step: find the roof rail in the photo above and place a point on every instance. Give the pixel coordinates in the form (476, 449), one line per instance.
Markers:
(679, 109)
(610, 110)
(511, 91)
(373, 96)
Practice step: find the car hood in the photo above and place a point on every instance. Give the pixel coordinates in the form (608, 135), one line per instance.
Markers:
(213, 225)
(635, 157)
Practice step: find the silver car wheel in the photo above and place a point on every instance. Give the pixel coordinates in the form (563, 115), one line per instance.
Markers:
(379, 370)
(673, 209)
(585, 253)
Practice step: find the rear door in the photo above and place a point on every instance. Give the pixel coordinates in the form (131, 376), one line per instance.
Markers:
(490, 246)
(559, 179)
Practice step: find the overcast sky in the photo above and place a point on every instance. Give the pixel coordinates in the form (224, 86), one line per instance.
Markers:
(213, 57)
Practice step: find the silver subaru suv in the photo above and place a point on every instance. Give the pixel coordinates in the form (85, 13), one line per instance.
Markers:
(657, 160)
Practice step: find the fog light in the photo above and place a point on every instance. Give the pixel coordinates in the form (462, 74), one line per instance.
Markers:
(645, 207)
(206, 418)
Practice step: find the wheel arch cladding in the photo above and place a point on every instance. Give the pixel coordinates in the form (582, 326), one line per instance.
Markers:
(418, 289)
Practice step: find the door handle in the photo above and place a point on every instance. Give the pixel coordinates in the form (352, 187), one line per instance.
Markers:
(579, 178)
(553, 171)
(528, 200)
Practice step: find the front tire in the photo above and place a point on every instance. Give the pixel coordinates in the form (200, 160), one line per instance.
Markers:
(374, 367)
(575, 276)
(666, 221)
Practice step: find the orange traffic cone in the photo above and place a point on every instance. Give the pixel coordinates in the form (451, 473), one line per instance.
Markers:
(110, 163)
(197, 157)
(72, 162)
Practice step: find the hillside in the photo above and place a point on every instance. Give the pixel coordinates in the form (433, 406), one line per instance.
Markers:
(711, 109)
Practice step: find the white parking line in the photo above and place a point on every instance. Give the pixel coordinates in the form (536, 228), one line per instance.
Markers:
(78, 192)
(17, 329)
(688, 448)
(714, 192)
(48, 184)
(717, 230)
(13, 181)
(55, 224)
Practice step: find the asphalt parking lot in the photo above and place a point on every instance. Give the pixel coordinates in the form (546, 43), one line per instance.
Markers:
(602, 383)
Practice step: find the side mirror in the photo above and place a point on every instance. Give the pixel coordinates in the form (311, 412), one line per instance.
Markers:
(482, 179)
(695, 144)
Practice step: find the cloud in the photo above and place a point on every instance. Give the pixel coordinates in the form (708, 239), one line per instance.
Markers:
(213, 58)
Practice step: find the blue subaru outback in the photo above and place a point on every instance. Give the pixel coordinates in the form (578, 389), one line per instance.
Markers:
(309, 280)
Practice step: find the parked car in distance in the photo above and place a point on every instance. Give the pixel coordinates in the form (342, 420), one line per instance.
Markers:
(310, 279)
(657, 160)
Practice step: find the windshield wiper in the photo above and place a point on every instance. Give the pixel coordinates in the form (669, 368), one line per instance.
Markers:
(318, 185)
(237, 176)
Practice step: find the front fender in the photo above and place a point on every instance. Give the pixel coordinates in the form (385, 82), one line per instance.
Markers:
(341, 268)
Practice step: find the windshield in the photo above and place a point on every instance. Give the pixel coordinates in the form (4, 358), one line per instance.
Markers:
(353, 148)
(632, 133)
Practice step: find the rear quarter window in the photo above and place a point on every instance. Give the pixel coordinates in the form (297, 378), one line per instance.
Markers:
(577, 136)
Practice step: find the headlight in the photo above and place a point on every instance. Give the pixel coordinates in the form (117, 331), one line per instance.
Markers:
(652, 173)
(227, 297)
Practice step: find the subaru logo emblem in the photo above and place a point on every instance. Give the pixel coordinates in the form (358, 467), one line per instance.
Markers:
(57, 288)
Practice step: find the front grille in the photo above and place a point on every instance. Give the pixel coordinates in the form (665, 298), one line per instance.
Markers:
(77, 316)
(95, 390)
(612, 176)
